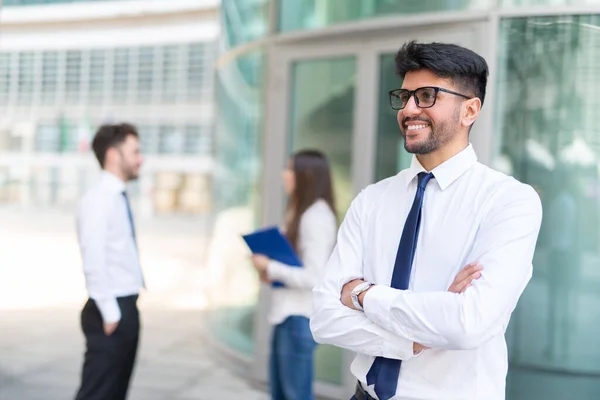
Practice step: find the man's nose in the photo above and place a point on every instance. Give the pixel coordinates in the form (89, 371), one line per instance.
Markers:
(411, 107)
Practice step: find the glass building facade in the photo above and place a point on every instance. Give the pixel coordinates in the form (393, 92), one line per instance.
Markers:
(60, 79)
(312, 73)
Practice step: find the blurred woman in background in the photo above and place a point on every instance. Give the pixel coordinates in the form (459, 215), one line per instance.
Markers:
(311, 227)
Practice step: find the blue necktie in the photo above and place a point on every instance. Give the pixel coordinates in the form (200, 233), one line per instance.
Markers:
(384, 372)
(130, 214)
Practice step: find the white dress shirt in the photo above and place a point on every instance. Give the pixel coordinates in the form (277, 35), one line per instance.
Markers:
(470, 213)
(108, 250)
(316, 238)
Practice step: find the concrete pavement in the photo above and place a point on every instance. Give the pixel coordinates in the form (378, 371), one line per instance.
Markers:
(42, 291)
(41, 353)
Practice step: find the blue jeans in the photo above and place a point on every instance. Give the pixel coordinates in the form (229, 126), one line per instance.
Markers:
(291, 365)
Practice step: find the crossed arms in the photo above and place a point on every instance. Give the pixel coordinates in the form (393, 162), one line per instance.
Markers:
(395, 320)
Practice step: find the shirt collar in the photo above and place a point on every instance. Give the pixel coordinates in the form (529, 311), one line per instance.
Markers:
(112, 181)
(448, 171)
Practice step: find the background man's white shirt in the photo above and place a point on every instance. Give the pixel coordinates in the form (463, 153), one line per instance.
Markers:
(108, 250)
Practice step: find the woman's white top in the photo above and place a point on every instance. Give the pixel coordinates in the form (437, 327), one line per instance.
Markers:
(316, 239)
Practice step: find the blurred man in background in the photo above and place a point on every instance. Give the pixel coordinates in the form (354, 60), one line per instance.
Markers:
(110, 318)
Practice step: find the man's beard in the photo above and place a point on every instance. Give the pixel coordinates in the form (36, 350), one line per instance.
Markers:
(438, 137)
(129, 172)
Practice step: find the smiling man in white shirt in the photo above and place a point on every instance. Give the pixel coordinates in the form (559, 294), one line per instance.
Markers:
(385, 290)
(110, 318)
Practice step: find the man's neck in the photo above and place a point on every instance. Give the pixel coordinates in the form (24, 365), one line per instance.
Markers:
(432, 160)
(117, 173)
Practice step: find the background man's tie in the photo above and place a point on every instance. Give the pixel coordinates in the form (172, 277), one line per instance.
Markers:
(130, 214)
(384, 372)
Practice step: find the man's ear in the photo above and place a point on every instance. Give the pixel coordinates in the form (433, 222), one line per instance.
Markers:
(110, 155)
(472, 108)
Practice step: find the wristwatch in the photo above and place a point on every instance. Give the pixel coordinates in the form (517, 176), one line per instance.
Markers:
(357, 291)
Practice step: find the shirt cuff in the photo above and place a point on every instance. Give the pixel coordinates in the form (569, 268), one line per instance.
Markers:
(377, 305)
(109, 308)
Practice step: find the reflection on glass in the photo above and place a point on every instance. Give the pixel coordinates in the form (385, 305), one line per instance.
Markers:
(244, 21)
(310, 14)
(237, 158)
(391, 156)
(322, 118)
(549, 129)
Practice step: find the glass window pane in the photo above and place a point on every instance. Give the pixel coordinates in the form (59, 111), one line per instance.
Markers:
(311, 14)
(26, 77)
(49, 76)
(148, 139)
(73, 76)
(322, 118)
(120, 75)
(145, 78)
(97, 75)
(198, 140)
(5, 77)
(549, 126)
(170, 140)
(171, 69)
(197, 78)
(47, 138)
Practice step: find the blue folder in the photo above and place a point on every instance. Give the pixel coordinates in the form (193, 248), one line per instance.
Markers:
(271, 243)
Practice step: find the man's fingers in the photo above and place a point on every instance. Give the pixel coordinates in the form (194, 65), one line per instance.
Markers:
(467, 271)
(462, 282)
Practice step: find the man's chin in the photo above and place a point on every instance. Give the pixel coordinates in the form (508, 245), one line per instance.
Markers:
(419, 148)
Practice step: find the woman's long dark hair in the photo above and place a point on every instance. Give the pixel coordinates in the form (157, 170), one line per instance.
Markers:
(313, 182)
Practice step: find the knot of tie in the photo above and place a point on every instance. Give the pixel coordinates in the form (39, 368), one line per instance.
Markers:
(424, 178)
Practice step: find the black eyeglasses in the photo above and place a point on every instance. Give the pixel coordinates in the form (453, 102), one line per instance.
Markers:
(425, 97)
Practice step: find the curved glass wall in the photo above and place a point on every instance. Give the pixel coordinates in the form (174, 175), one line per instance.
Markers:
(243, 21)
(239, 99)
(238, 145)
(311, 14)
(547, 114)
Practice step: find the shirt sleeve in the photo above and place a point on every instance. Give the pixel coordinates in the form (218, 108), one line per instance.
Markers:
(504, 245)
(334, 323)
(93, 223)
(317, 238)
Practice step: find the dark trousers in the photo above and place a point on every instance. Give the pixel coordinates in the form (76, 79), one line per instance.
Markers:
(109, 360)
(291, 364)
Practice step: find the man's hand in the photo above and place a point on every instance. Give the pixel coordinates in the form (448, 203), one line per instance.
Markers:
(347, 290)
(109, 329)
(465, 277)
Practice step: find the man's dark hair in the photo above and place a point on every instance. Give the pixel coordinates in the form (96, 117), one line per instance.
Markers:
(467, 69)
(108, 136)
